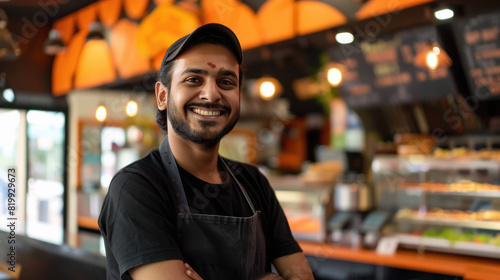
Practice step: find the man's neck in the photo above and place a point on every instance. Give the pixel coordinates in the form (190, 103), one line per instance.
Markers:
(196, 159)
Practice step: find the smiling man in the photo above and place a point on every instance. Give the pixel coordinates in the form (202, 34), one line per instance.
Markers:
(183, 211)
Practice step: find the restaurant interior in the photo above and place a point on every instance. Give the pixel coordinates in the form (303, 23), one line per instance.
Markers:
(376, 122)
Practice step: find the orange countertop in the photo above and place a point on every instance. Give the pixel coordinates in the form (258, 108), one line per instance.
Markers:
(88, 222)
(470, 268)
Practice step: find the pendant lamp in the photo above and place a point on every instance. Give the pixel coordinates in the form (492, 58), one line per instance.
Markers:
(95, 65)
(432, 56)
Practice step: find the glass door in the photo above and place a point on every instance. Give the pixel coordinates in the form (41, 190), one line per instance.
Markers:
(45, 195)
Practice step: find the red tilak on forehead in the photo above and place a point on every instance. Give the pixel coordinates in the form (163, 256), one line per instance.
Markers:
(211, 64)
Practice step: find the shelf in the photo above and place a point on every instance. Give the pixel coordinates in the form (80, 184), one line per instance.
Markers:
(390, 163)
(467, 267)
(418, 191)
(444, 245)
(491, 225)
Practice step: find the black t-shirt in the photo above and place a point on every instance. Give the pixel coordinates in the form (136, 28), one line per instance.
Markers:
(214, 199)
(139, 214)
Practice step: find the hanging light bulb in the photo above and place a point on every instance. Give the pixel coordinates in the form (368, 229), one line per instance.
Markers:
(267, 88)
(101, 113)
(432, 57)
(431, 60)
(333, 73)
(344, 37)
(132, 108)
(334, 76)
(444, 14)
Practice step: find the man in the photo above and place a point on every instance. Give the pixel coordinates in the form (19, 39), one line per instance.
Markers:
(183, 212)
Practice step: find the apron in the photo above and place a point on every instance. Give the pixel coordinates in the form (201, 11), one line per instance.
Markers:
(217, 247)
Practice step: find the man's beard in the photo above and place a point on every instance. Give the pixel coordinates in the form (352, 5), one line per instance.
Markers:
(202, 136)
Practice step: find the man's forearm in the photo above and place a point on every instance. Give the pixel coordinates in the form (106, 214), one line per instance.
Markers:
(270, 276)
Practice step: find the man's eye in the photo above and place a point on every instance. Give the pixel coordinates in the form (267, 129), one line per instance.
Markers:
(227, 82)
(193, 80)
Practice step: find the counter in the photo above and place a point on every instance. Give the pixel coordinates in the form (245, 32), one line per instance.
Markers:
(470, 268)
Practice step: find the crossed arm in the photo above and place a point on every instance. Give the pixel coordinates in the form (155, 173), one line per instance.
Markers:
(291, 267)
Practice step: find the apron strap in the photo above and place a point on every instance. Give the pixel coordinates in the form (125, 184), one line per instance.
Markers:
(174, 182)
(245, 194)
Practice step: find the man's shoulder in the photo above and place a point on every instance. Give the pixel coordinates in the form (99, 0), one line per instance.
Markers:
(149, 166)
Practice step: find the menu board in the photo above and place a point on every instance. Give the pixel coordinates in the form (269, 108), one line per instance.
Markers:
(478, 42)
(383, 72)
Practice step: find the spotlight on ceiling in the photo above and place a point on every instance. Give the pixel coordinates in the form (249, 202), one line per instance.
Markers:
(344, 37)
(444, 13)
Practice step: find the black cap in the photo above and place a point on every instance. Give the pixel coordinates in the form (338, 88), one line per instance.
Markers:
(216, 29)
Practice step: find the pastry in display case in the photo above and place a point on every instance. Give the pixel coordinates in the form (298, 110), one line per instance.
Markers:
(442, 203)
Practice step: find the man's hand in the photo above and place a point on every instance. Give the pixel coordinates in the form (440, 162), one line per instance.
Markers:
(191, 273)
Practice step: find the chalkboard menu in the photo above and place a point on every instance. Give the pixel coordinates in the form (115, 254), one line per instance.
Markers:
(478, 41)
(383, 72)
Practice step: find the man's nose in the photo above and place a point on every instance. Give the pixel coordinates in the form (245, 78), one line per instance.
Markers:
(210, 92)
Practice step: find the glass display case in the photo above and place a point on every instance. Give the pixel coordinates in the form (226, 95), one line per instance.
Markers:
(443, 204)
(306, 206)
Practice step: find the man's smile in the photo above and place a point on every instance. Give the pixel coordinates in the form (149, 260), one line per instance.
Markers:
(206, 112)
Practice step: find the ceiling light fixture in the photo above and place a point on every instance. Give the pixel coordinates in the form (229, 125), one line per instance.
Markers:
(96, 31)
(444, 14)
(267, 88)
(54, 44)
(8, 95)
(344, 37)
(132, 108)
(432, 57)
(332, 72)
(101, 113)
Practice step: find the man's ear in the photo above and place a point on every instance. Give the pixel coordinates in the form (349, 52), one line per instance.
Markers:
(161, 92)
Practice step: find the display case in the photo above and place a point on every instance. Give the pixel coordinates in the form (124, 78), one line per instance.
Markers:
(307, 206)
(447, 204)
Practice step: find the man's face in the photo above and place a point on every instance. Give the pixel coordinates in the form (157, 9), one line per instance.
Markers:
(203, 102)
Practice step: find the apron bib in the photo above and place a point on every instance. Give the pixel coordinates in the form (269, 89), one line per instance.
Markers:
(218, 247)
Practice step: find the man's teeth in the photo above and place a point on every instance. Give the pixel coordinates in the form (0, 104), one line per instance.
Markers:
(206, 113)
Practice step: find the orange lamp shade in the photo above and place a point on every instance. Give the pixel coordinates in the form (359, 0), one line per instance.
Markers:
(64, 66)
(66, 27)
(159, 2)
(157, 30)
(375, 8)
(315, 16)
(95, 66)
(191, 6)
(136, 9)
(129, 62)
(217, 10)
(276, 20)
(86, 16)
(157, 60)
(243, 21)
(109, 11)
